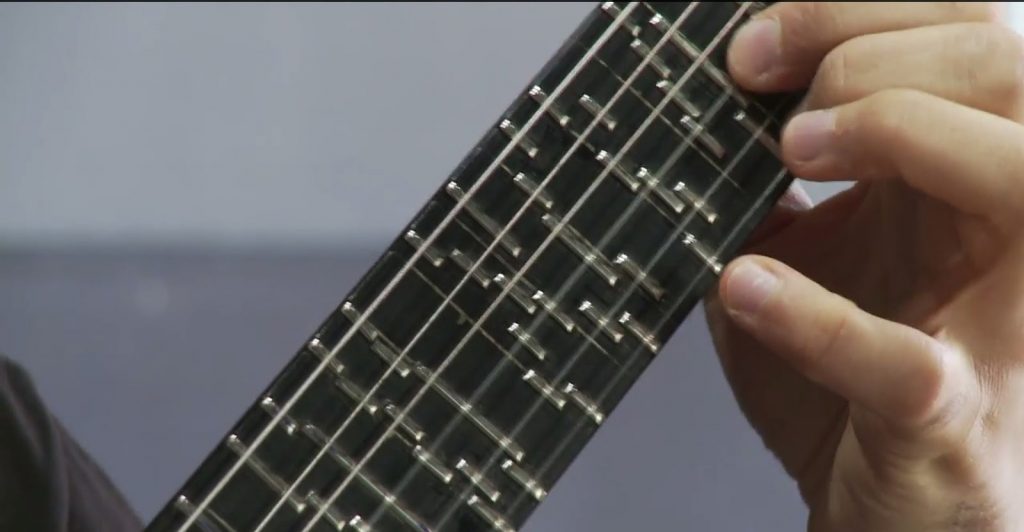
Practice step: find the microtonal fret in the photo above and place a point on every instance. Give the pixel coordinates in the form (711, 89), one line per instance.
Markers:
(585, 403)
(525, 144)
(647, 283)
(554, 110)
(492, 226)
(586, 251)
(529, 341)
(641, 333)
(264, 472)
(530, 187)
(417, 242)
(602, 321)
(209, 520)
(478, 479)
(595, 109)
(703, 252)
(489, 514)
(524, 479)
(549, 392)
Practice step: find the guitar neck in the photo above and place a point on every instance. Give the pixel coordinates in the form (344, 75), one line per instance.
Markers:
(458, 380)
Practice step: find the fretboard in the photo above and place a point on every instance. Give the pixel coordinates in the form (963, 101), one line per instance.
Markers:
(460, 377)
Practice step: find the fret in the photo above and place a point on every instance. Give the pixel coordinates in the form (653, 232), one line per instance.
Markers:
(490, 515)
(641, 333)
(585, 403)
(470, 440)
(488, 223)
(693, 53)
(530, 187)
(629, 267)
(549, 392)
(598, 111)
(263, 471)
(665, 195)
(466, 408)
(433, 464)
(586, 251)
(519, 294)
(758, 131)
(703, 252)
(416, 241)
(554, 110)
(528, 146)
(389, 500)
(528, 483)
(695, 201)
(466, 263)
(209, 520)
(602, 321)
(526, 339)
(478, 479)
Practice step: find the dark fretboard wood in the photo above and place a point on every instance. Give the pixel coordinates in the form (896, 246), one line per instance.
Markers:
(458, 380)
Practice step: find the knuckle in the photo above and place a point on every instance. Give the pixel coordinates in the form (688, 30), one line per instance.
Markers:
(804, 22)
(994, 62)
(883, 115)
(975, 11)
(833, 79)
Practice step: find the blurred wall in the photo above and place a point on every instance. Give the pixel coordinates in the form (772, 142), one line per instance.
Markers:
(186, 190)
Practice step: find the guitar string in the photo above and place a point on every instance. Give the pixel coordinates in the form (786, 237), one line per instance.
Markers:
(700, 61)
(357, 324)
(430, 382)
(539, 402)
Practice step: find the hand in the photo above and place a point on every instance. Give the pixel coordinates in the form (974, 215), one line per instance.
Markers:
(876, 341)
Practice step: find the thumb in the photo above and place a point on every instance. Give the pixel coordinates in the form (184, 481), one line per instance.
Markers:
(909, 379)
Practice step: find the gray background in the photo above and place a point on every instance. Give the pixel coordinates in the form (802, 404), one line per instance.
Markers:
(187, 190)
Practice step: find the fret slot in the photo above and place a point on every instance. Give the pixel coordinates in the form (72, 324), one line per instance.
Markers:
(550, 393)
(586, 251)
(553, 310)
(208, 520)
(532, 189)
(493, 518)
(693, 53)
(342, 459)
(488, 223)
(432, 464)
(519, 294)
(263, 471)
(554, 110)
(523, 142)
(478, 479)
(589, 407)
(466, 408)
(671, 200)
(597, 109)
(647, 283)
(632, 182)
(641, 333)
(758, 131)
(519, 332)
(600, 319)
(466, 263)
(695, 201)
(524, 479)
(703, 252)
(431, 254)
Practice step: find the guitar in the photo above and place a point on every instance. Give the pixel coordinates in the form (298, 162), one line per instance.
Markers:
(461, 376)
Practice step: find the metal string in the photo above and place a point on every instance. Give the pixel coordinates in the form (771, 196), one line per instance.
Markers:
(674, 239)
(430, 382)
(356, 326)
(636, 202)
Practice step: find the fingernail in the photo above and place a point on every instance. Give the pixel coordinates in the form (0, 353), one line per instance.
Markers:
(809, 135)
(796, 198)
(749, 287)
(756, 48)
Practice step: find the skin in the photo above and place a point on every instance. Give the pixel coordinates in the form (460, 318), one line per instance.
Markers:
(876, 341)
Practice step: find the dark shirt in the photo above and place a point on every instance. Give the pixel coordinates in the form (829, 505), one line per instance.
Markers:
(47, 482)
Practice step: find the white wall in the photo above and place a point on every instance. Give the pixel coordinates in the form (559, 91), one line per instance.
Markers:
(272, 124)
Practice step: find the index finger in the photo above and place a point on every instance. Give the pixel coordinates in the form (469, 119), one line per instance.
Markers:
(780, 48)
